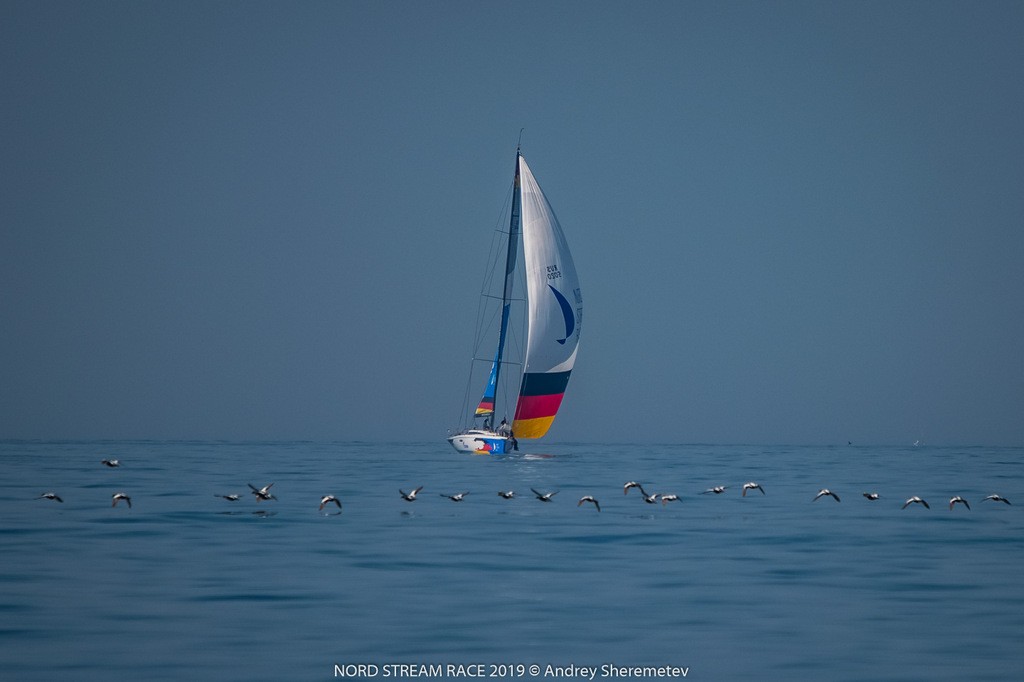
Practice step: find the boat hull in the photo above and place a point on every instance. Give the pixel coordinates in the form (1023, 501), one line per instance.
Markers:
(479, 442)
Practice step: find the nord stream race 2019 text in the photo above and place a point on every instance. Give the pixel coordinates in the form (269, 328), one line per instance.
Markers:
(495, 670)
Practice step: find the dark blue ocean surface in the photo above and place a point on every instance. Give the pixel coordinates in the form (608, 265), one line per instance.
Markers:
(187, 585)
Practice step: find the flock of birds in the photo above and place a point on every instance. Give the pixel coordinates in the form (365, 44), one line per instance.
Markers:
(263, 494)
(665, 498)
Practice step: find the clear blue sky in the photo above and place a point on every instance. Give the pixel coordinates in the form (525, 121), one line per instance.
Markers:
(794, 222)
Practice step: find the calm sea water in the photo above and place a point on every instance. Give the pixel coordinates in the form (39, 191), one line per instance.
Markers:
(186, 585)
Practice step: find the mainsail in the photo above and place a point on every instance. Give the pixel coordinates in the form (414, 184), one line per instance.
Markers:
(486, 406)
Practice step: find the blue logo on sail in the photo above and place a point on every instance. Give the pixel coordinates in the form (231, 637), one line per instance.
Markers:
(567, 312)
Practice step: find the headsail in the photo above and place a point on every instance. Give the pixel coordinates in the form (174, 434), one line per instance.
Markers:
(555, 315)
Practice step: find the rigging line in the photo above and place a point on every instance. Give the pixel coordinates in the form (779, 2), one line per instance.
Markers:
(498, 239)
(514, 299)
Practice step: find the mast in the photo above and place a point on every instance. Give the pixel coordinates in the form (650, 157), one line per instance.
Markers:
(488, 405)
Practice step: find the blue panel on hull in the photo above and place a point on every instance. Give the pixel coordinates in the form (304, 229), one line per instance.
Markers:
(495, 446)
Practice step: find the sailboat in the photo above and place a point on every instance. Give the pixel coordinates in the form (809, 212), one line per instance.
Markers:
(553, 321)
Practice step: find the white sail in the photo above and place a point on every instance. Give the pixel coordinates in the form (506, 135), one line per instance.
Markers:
(555, 315)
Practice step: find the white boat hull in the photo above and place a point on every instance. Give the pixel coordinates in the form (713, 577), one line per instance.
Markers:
(480, 442)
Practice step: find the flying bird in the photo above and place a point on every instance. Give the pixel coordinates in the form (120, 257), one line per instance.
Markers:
(997, 498)
(588, 498)
(457, 497)
(50, 496)
(544, 497)
(957, 499)
(823, 492)
(121, 496)
(262, 494)
(410, 497)
(329, 499)
(233, 497)
(915, 500)
(110, 462)
(650, 499)
(717, 490)
(870, 496)
(752, 486)
(507, 494)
